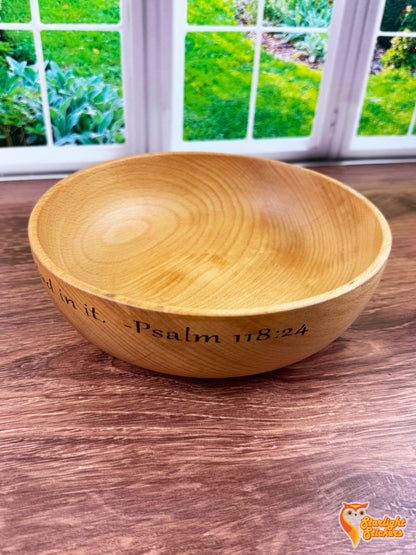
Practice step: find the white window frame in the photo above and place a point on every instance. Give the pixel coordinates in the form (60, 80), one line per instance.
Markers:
(51, 158)
(352, 36)
(284, 148)
(347, 144)
(153, 66)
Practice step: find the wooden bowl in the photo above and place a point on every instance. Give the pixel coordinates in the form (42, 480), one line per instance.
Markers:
(207, 265)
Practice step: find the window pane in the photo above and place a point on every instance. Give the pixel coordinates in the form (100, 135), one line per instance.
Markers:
(288, 87)
(298, 13)
(79, 11)
(222, 12)
(218, 71)
(84, 86)
(21, 116)
(391, 90)
(399, 15)
(15, 11)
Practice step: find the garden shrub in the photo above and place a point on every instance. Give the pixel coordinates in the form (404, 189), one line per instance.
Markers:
(401, 54)
(84, 110)
(20, 105)
(391, 16)
(402, 51)
(302, 13)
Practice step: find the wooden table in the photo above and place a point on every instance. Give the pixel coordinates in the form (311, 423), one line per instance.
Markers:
(97, 456)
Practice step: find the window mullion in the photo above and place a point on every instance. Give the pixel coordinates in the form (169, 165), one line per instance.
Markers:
(362, 39)
(36, 26)
(256, 66)
(412, 122)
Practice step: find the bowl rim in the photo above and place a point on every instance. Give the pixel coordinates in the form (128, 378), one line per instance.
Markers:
(377, 264)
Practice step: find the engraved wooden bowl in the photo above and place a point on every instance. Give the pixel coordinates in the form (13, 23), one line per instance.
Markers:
(207, 265)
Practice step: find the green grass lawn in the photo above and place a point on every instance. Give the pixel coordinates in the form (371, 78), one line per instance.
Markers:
(15, 11)
(217, 12)
(286, 98)
(389, 103)
(217, 85)
(79, 11)
(87, 52)
(62, 11)
(218, 74)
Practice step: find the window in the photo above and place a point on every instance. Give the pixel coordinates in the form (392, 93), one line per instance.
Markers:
(64, 97)
(289, 79)
(252, 74)
(295, 79)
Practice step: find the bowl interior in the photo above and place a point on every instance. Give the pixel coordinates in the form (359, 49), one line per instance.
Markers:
(197, 231)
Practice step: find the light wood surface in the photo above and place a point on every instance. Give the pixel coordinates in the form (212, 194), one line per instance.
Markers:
(208, 265)
(98, 456)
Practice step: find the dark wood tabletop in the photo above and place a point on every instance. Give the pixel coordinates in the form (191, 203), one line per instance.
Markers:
(98, 456)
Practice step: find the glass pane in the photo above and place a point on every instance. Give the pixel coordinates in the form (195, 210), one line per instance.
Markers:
(79, 11)
(15, 11)
(84, 86)
(21, 116)
(222, 12)
(289, 78)
(391, 89)
(218, 68)
(399, 15)
(298, 13)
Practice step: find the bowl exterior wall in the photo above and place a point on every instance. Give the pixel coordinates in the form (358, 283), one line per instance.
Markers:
(205, 346)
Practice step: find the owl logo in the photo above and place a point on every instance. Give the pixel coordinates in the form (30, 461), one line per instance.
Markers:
(350, 519)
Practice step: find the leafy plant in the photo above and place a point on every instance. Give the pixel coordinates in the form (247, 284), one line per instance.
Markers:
(408, 18)
(20, 105)
(313, 45)
(302, 13)
(391, 16)
(299, 13)
(84, 110)
(246, 11)
(402, 53)
(22, 46)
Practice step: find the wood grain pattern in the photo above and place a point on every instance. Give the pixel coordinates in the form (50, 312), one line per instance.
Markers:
(98, 456)
(207, 265)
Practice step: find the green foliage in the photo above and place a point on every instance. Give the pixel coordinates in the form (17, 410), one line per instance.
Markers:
(217, 85)
(15, 11)
(84, 110)
(401, 54)
(286, 98)
(85, 52)
(20, 105)
(391, 16)
(402, 51)
(313, 45)
(19, 45)
(408, 18)
(5, 48)
(79, 11)
(205, 12)
(62, 11)
(218, 75)
(246, 11)
(300, 13)
(389, 103)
